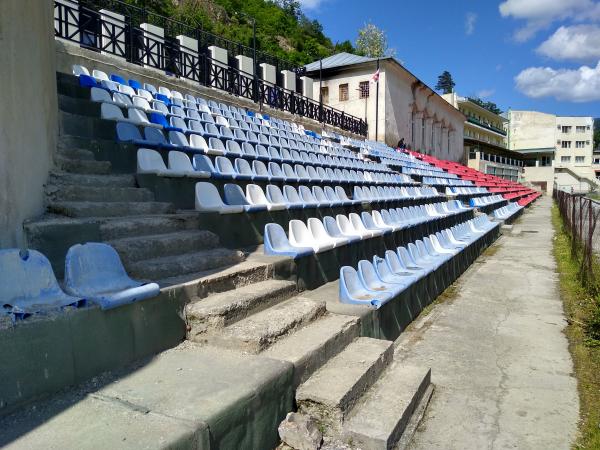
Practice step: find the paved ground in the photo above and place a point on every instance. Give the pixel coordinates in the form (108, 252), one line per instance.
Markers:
(499, 359)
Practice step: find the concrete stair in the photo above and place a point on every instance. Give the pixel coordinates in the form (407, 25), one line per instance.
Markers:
(332, 391)
(108, 209)
(82, 166)
(173, 265)
(102, 194)
(65, 178)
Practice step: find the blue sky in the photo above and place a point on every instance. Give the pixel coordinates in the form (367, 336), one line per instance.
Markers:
(524, 54)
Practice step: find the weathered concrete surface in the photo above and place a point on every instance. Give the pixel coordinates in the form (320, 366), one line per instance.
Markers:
(499, 359)
(185, 398)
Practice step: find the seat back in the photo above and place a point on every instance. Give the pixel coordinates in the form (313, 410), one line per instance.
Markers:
(127, 132)
(149, 161)
(243, 167)
(111, 112)
(203, 164)
(224, 166)
(180, 162)
(274, 194)
(198, 142)
(234, 195)
(291, 195)
(178, 138)
(207, 196)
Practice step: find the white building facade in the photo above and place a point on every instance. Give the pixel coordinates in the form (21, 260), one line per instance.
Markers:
(399, 106)
(559, 148)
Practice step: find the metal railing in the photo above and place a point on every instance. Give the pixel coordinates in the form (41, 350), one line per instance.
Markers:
(85, 26)
(580, 216)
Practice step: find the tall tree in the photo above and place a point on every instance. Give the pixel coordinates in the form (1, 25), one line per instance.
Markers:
(445, 83)
(372, 42)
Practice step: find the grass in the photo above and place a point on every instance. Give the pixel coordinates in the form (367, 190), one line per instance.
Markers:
(582, 307)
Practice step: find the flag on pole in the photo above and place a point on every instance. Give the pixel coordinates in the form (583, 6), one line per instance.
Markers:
(375, 77)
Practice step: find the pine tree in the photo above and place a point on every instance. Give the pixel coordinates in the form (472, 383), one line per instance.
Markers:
(445, 83)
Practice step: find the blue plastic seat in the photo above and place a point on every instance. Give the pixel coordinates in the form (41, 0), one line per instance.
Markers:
(243, 169)
(28, 285)
(274, 195)
(261, 170)
(224, 168)
(234, 195)
(128, 132)
(353, 292)
(156, 138)
(87, 81)
(371, 280)
(277, 243)
(385, 274)
(334, 230)
(94, 271)
(135, 84)
(118, 78)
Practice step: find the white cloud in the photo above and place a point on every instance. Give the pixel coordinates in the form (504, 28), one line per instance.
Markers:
(574, 43)
(485, 93)
(311, 4)
(572, 85)
(539, 14)
(470, 20)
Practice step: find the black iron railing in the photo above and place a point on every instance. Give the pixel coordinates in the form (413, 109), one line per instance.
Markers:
(126, 39)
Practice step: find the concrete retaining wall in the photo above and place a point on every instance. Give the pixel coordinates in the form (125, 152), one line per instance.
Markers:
(28, 113)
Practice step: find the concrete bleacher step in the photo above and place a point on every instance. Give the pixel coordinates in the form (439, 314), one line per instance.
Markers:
(382, 416)
(223, 309)
(82, 166)
(68, 178)
(75, 153)
(174, 265)
(109, 209)
(312, 346)
(135, 226)
(137, 248)
(259, 331)
(331, 392)
(86, 193)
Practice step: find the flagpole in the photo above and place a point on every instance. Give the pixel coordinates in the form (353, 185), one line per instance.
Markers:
(377, 103)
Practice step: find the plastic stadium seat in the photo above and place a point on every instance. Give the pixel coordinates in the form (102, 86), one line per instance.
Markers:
(385, 274)
(151, 162)
(100, 75)
(256, 196)
(353, 292)
(371, 280)
(87, 81)
(397, 267)
(224, 168)
(308, 198)
(321, 236)
(334, 230)
(319, 195)
(360, 227)
(157, 139)
(292, 198)
(127, 132)
(179, 162)
(277, 243)
(301, 236)
(80, 70)
(94, 271)
(209, 200)
(234, 195)
(275, 195)
(28, 284)
(347, 228)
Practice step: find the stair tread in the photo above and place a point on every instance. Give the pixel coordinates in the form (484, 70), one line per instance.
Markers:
(311, 346)
(115, 180)
(108, 209)
(386, 409)
(223, 302)
(257, 332)
(334, 384)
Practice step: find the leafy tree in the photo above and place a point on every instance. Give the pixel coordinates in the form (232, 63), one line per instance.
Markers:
(445, 83)
(372, 42)
(490, 106)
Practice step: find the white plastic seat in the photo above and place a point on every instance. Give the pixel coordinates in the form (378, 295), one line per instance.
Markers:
(300, 236)
(151, 162)
(321, 235)
(256, 196)
(209, 200)
(180, 162)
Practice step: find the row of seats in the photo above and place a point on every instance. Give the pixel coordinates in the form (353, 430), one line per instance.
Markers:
(273, 198)
(506, 212)
(427, 172)
(195, 142)
(150, 161)
(376, 283)
(317, 236)
(446, 181)
(485, 201)
(399, 193)
(93, 274)
(453, 191)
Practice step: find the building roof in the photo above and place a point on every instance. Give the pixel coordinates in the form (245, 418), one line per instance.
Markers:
(338, 60)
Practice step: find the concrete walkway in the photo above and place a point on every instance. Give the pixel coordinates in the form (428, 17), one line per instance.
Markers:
(499, 359)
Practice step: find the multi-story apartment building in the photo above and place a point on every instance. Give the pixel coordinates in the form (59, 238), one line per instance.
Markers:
(485, 140)
(558, 149)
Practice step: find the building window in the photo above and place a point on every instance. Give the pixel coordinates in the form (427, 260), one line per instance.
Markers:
(579, 144)
(546, 161)
(344, 92)
(580, 129)
(565, 144)
(363, 88)
(579, 159)
(325, 94)
(565, 159)
(566, 129)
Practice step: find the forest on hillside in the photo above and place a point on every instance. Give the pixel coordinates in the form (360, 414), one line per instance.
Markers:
(282, 29)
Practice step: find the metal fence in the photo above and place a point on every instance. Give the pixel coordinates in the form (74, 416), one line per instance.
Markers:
(86, 26)
(580, 216)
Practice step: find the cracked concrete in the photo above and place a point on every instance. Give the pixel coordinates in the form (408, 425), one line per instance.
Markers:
(500, 362)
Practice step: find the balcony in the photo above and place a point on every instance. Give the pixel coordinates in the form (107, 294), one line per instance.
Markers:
(486, 126)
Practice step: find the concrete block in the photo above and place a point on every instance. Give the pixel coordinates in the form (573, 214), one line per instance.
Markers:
(289, 80)
(379, 421)
(331, 392)
(268, 73)
(307, 87)
(154, 34)
(245, 64)
(115, 24)
(188, 44)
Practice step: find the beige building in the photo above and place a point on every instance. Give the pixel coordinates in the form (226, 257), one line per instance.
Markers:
(558, 149)
(400, 106)
(485, 143)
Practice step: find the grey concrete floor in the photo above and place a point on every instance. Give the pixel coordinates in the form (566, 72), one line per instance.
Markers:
(500, 363)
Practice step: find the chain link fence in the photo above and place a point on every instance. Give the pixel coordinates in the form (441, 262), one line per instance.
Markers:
(580, 217)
